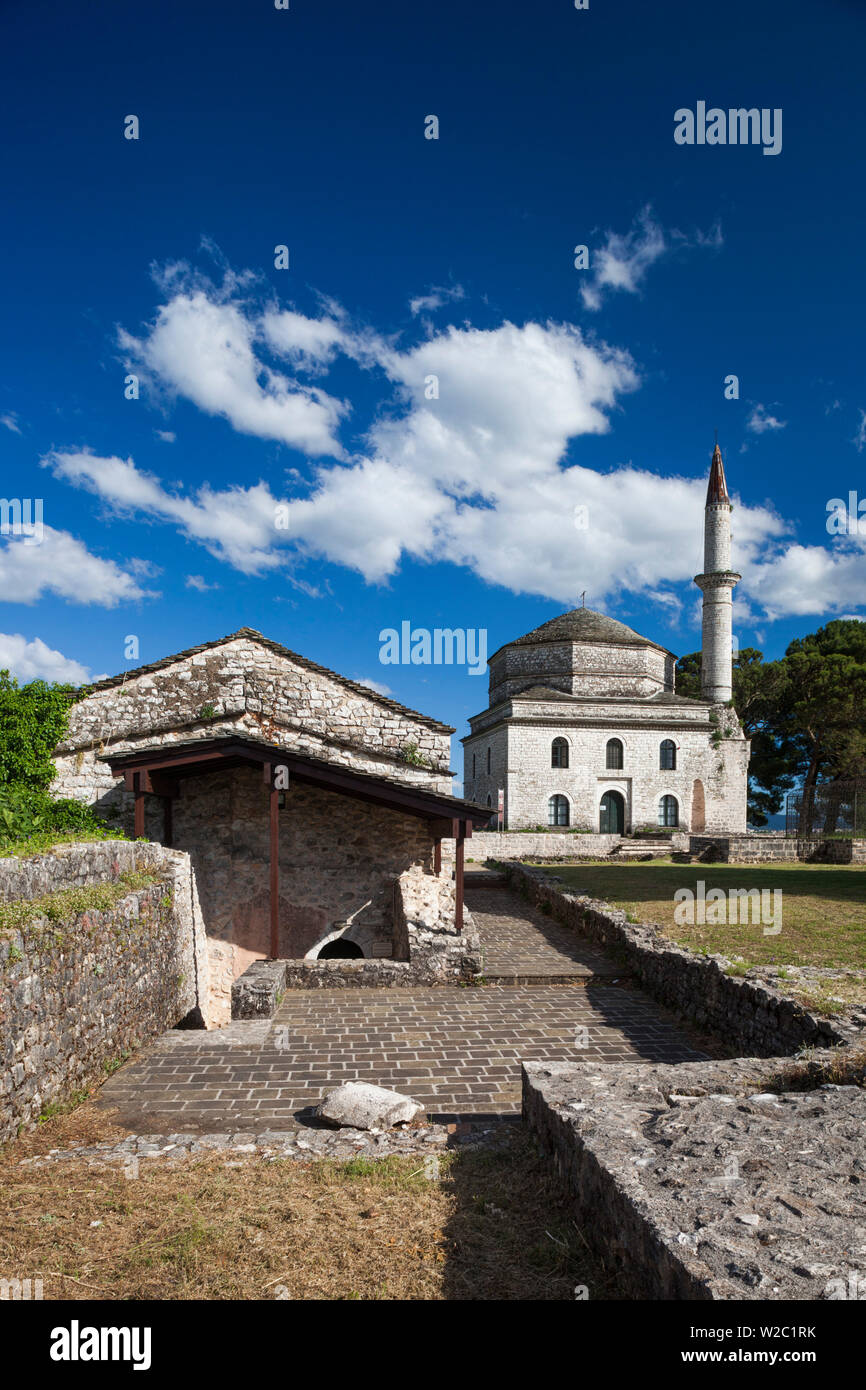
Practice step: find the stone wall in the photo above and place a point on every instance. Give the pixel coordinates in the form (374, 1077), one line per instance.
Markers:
(493, 844)
(709, 1180)
(749, 1017)
(76, 993)
(742, 849)
(770, 848)
(338, 861)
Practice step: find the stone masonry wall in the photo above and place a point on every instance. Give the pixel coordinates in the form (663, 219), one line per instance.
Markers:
(520, 762)
(77, 993)
(757, 849)
(338, 861)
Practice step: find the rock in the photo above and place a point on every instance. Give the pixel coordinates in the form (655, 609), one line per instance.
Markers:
(358, 1105)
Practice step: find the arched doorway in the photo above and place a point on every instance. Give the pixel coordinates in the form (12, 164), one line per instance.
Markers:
(612, 815)
(341, 949)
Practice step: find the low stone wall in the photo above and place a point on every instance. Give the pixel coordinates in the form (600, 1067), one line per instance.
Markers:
(517, 844)
(709, 1180)
(836, 851)
(743, 849)
(78, 992)
(762, 849)
(749, 1017)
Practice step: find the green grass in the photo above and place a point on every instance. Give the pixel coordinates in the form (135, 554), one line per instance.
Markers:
(70, 902)
(823, 907)
(47, 840)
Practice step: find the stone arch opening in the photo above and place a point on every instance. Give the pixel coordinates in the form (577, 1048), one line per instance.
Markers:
(341, 949)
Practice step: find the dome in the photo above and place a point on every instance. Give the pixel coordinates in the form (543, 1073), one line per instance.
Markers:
(585, 625)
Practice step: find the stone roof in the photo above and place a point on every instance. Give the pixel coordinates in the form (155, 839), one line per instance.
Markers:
(250, 634)
(584, 625)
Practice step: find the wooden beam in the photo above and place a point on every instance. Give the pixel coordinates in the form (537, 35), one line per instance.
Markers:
(139, 806)
(458, 883)
(274, 886)
(437, 857)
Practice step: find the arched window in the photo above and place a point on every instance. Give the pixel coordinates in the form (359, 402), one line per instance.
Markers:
(667, 755)
(489, 802)
(488, 760)
(669, 814)
(559, 753)
(557, 810)
(613, 756)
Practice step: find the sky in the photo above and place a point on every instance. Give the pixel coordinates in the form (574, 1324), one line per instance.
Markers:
(430, 407)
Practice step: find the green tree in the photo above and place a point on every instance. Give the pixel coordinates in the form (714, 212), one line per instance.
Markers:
(33, 720)
(758, 692)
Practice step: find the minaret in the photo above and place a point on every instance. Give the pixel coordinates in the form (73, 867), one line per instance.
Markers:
(717, 584)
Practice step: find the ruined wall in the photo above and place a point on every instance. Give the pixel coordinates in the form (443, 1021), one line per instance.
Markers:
(77, 992)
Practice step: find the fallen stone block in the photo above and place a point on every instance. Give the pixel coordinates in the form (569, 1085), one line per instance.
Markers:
(358, 1105)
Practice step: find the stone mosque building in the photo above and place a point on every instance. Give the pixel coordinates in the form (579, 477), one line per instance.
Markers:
(584, 728)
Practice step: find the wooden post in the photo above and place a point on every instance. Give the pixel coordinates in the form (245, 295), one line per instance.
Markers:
(437, 857)
(139, 805)
(167, 822)
(458, 877)
(274, 888)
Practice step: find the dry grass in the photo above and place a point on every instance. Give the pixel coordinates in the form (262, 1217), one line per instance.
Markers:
(823, 913)
(494, 1225)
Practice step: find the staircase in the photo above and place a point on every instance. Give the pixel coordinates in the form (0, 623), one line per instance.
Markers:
(645, 847)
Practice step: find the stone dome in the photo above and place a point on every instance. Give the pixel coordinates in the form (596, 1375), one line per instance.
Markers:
(581, 653)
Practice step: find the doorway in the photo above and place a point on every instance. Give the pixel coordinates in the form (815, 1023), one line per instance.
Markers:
(612, 815)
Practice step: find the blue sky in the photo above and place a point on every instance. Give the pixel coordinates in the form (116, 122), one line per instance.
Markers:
(410, 258)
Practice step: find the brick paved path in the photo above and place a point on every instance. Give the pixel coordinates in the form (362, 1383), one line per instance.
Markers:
(521, 944)
(457, 1051)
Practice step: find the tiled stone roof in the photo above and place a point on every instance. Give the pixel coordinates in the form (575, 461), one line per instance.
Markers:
(584, 625)
(251, 635)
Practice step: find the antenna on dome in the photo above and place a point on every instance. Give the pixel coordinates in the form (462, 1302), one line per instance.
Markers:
(583, 599)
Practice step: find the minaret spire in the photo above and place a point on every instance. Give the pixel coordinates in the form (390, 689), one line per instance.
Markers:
(717, 586)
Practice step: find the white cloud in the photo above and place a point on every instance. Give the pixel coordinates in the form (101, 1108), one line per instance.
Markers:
(167, 436)
(378, 686)
(484, 475)
(237, 524)
(623, 261)
(11, 422)
(435, 297)
(196, 581)
(34, 660)
(859, 439)
(760, 420)
(201, 346)
(63, 566)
